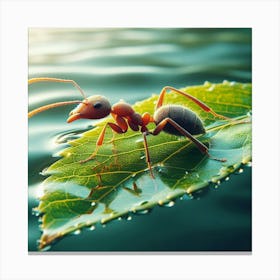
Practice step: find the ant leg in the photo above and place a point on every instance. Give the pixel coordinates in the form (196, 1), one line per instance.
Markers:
(121, 122)
(184, 132)
(100, 139)
(202, 105)
(46, 79)
(148, 159)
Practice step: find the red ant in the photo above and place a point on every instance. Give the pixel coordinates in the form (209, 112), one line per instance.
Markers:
(173, 119)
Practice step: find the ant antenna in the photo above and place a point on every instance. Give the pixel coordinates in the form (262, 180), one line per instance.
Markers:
(53, 105)
(58, 104)
(46, 79)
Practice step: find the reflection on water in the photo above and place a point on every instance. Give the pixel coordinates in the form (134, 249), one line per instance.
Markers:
(131, 64)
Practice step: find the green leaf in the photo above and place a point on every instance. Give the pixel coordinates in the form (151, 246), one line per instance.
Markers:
(117, 183)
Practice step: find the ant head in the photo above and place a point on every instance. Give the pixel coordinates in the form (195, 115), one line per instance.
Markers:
(93, 107)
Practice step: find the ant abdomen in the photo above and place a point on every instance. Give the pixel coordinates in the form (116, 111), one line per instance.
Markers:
(184, 117)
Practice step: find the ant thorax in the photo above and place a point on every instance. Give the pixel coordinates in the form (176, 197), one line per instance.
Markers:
(122, 109)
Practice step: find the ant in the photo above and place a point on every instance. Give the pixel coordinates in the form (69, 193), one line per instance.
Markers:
(173, 119)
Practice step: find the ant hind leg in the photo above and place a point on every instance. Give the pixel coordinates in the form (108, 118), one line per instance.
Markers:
(202, 105)
(184, 132)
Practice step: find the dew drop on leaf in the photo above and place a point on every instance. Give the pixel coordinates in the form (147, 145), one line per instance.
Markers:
(35, 212)
(92, 227)
(77, 232)
(211, 88)
(170, 204)
(249, 164)
(143, 212)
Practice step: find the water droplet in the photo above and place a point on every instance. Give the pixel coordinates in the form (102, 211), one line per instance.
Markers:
(44, 172)
(211, 88)
(93, 203)
(170, 203)
(142, 157)
(185, 197)
(143, 212)
(77, 232)
(227, 178)
(129, 218)
(216, 186)
(249, 164)
(35, 212)
(161, 168)
(92, 227)
(133, 175)
(166, 204)
(240, 170)
(216, 181)
(104, 225)
(139, 141)
(187, 172)
(119, 218)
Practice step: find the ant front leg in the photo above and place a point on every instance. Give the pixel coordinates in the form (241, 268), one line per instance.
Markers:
(202, 105)
(203, 149)
(119, 128)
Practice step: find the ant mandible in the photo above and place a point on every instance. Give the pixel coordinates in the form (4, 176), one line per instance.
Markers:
(173, 119)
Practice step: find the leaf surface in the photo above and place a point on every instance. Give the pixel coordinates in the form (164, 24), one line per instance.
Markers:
(117, 183)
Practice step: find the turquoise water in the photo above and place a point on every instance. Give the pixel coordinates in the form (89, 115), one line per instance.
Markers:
(131, 64)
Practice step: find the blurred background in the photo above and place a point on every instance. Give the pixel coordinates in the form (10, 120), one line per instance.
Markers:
(132, 64)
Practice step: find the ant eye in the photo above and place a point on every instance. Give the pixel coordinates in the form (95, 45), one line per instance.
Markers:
(97, 105)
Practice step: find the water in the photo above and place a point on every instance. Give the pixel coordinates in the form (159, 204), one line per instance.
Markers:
(131, 64)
